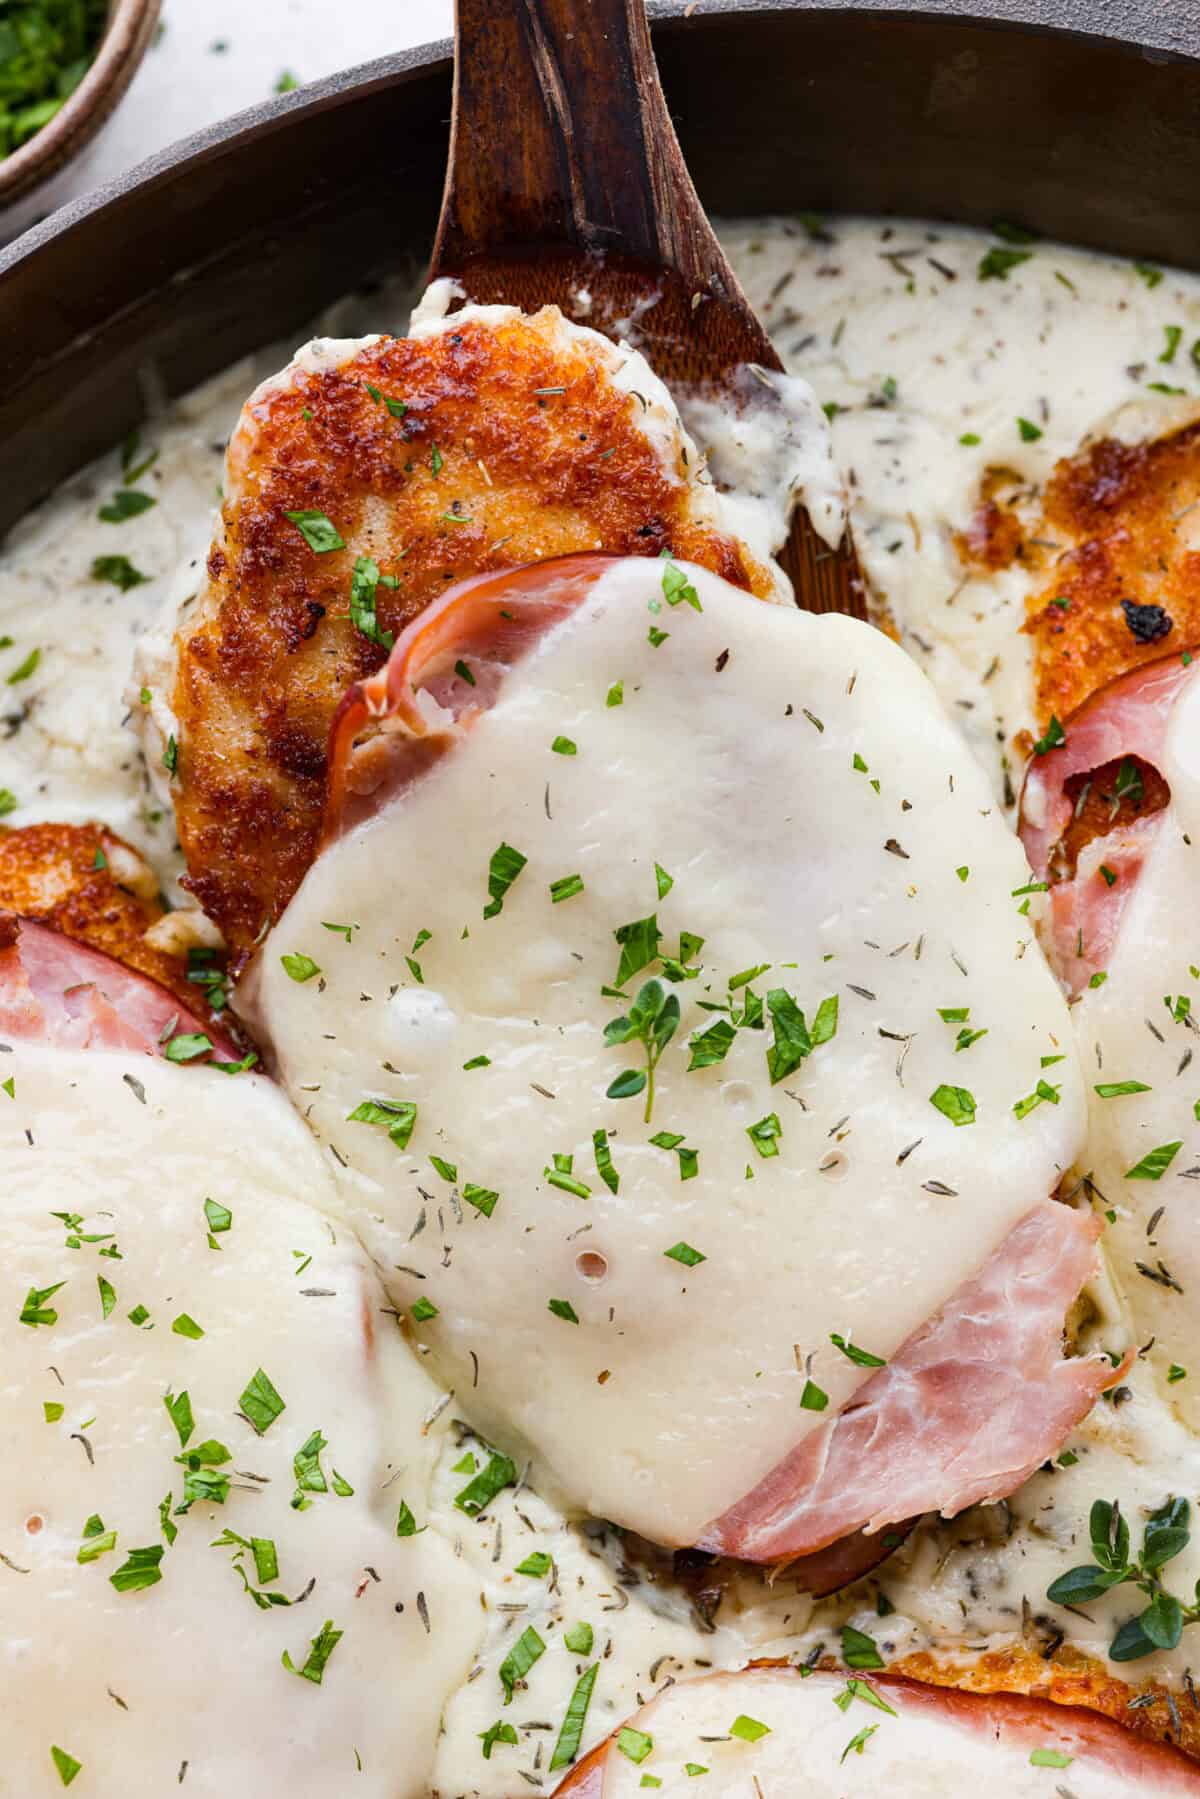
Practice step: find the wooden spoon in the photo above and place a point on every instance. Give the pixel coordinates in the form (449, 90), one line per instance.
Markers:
(565, 173)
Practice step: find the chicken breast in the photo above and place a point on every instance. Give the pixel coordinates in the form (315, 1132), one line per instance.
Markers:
(361, 483)
(726, 1264)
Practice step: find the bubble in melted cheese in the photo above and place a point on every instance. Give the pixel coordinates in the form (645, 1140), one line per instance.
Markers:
(785, 789)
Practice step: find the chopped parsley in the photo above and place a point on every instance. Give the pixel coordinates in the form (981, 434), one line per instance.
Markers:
(634, 1744)
(364, 584)
(859, 1650)
(318, 532)
(139, 1570)
(684, 1253)
(1154, 1163)
(563, 746)
(749, 1730)
(505, 865)
(398, 1116)
(862, 1358)
(996, 263)
(35, 1311)
(765, 1135)
(1054, 738)
(955, 1103)
(527, 1649)
(562, 1308)
(499, 1732)
(119, 571)
(320, 1650)
(677, 587)
(604, 1161)
(571, 1732)
(126, 503)
(299, 967)
(260, 1404)
(66, 1764)
(499, 1473)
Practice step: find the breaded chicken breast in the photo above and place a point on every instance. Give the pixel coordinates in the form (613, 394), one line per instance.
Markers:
(1112, 546)
(361, 483)
(88, 884)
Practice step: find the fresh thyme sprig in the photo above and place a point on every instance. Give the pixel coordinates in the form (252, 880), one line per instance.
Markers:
(1167, 1531)
(652, 1020)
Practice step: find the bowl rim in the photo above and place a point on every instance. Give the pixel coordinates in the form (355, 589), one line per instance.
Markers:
(126, 38)
(1136, 27)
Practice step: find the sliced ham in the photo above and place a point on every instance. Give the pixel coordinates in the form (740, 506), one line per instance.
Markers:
(975, 1401)
(913, 1742)
(1126, 719)
(58, 991)
(383, 737)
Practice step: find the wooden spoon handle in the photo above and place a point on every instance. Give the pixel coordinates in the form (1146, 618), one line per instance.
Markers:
(561, 137)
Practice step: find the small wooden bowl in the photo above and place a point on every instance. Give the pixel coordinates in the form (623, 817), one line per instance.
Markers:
(130, 27)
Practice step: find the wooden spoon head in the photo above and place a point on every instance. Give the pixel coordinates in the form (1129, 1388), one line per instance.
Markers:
(700, 339)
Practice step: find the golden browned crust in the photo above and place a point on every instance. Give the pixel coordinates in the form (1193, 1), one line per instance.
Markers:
(1117, 523)
(537, 452)
(86, 882)
(1122, 514)
(1067, 1677)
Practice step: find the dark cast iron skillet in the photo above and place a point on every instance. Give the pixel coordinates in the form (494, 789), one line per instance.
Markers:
(1079, 118)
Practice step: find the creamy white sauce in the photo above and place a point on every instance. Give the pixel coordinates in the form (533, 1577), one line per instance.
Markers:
(1074, 355)
(183, 1680)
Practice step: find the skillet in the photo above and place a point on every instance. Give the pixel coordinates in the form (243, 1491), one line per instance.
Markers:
(1077, 118)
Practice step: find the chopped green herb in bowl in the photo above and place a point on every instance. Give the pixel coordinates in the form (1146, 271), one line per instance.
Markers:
(64, 64)
(46, 49)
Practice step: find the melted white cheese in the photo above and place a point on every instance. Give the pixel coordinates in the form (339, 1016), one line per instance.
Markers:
(743, 761)
(184, 1679)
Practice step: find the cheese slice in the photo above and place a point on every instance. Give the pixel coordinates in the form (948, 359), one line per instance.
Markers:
(181, 1682)
(786, 789)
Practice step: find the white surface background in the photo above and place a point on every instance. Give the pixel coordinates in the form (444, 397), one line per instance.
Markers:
(186, 81)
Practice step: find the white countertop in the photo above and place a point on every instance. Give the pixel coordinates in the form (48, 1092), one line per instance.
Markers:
(214, 57)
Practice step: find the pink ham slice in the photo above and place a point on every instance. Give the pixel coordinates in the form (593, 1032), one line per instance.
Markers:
(973, 1403)
(56, 991)
(1126, 718)
(382, 739)
(1087, 1740)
